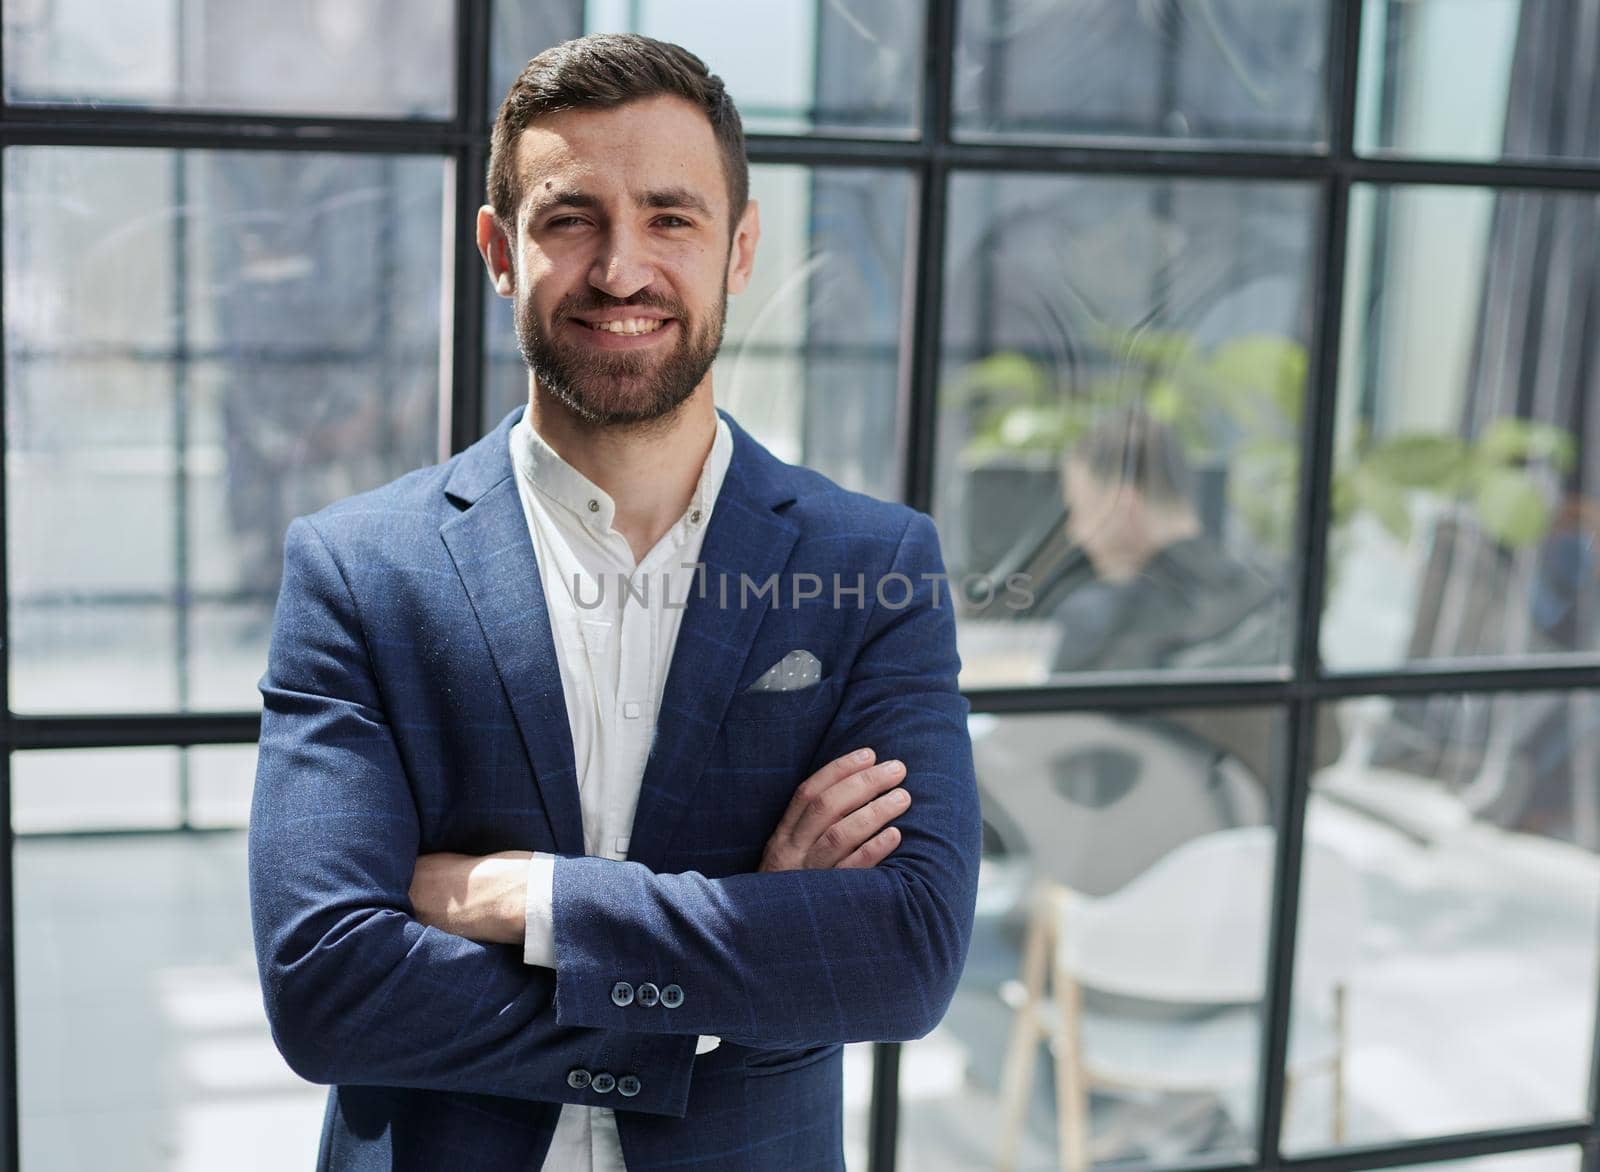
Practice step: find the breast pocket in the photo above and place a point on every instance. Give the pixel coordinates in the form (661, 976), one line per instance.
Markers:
(783, 705)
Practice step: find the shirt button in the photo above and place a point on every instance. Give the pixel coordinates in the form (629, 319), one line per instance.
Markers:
(628, 1086)
(648, 994)
(672, 996)
(577, 1078)
(630, 709)
(602, 1084)
(694, 517)
(594, 506)
(622, 993)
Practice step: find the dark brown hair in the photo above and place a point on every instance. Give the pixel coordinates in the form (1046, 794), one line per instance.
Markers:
(604, 70)
(1129, 447)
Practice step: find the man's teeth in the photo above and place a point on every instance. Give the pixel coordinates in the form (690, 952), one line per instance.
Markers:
(631, 325)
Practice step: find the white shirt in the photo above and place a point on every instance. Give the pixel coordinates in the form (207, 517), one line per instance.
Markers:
(614, 642)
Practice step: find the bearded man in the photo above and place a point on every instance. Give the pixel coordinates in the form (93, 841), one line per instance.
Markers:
(546, 875)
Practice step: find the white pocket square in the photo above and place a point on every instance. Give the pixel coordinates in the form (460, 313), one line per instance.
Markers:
(799, 669)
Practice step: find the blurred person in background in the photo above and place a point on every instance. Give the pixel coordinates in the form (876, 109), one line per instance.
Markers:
(1163, 594)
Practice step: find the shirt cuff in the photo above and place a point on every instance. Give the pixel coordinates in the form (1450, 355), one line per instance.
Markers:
(705, 1043)
(539, 939)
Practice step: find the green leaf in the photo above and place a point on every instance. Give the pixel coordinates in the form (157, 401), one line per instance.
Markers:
(1379, 497)
(1265, 366)
(1012, 376)
(1511, 441)
(1419, 460)
(1512, 508)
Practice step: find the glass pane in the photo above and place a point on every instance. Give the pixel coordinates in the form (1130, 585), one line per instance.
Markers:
(95, 789)
(1479, 79)
(1465, 1000)
(1466, 521)
(222, 780)
(792, 66)
(1120, 404)
(1203, 72)
(199, 347)
(371, 58)
(811, 359)
(1562, 1159)
(1123, 903)
(142, 1044)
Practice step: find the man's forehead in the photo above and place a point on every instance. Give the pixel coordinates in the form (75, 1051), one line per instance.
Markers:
(622, 152)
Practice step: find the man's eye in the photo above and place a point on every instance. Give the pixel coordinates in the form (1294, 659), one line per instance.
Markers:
(563, 221)
(675, 222)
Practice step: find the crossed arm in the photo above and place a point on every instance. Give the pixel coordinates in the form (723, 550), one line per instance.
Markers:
(840, 816)
(361, 988)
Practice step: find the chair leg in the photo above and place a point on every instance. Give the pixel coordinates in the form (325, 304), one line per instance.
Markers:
(1022, 1050)
(1072, 1095)
(1337, 1114)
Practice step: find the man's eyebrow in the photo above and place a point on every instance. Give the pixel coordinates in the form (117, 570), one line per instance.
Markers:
(564, 199)
(674, 197)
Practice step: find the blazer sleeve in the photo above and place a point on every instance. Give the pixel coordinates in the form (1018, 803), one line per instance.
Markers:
(357, 990)
(809, 957)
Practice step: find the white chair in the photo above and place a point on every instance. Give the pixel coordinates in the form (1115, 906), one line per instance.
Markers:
(1182, 950)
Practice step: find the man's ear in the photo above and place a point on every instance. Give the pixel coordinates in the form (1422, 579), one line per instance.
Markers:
(496, 251)
(742, 254)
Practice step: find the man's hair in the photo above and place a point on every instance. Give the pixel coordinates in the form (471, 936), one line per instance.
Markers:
(1129, 447)
(601, 71)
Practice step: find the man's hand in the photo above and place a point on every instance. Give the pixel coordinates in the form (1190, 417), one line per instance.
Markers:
(481, 897)
(839, 817)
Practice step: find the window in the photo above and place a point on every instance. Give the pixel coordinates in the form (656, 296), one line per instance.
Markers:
(1242, 350)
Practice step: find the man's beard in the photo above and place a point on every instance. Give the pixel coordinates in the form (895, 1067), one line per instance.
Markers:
(608, 388)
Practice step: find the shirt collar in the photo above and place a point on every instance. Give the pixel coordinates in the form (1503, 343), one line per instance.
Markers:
(556, 479)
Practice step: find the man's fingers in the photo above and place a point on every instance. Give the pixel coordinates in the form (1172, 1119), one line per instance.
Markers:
(843, 799)
(819, 783)
(874, 850)
(839, 841)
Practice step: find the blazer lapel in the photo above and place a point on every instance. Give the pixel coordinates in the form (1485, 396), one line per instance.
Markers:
(745, 536)
(493, 553)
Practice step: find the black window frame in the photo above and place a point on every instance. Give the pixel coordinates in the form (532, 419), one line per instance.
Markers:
(930, 159)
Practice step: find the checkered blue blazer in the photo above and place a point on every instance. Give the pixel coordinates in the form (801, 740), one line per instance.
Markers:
(412, 703)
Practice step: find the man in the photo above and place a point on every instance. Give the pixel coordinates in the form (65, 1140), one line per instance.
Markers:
(544, 881)
(1163, 595)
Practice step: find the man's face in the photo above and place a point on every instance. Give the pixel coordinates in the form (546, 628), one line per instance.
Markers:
(1105, 519)
(623, 257)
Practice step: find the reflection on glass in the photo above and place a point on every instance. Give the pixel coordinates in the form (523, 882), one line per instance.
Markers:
(1466, 499)
(811, 360)
(792, 66)
(1478, 79)
(355, 58)
(1121, 398)
(141, 1040)
(1110, 1007)
(1559, 1159)
(199, 346)
(1472, 1003)
(1203, 71)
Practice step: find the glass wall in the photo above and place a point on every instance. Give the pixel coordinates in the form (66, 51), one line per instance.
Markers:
(1243, 352)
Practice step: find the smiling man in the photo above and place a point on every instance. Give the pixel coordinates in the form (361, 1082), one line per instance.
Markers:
(545, 877)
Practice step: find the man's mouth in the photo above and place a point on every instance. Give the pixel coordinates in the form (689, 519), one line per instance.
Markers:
(629, 326)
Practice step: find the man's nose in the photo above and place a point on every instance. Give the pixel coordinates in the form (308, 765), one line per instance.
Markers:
(623, 266)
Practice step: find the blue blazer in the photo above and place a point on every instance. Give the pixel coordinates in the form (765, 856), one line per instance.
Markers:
(413, 703)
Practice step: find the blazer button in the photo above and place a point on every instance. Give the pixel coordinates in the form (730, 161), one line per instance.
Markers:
(628, 1086)
(672, 996)
(577, 1078)
(602, 1084)
(648, 994)
(622, 993)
